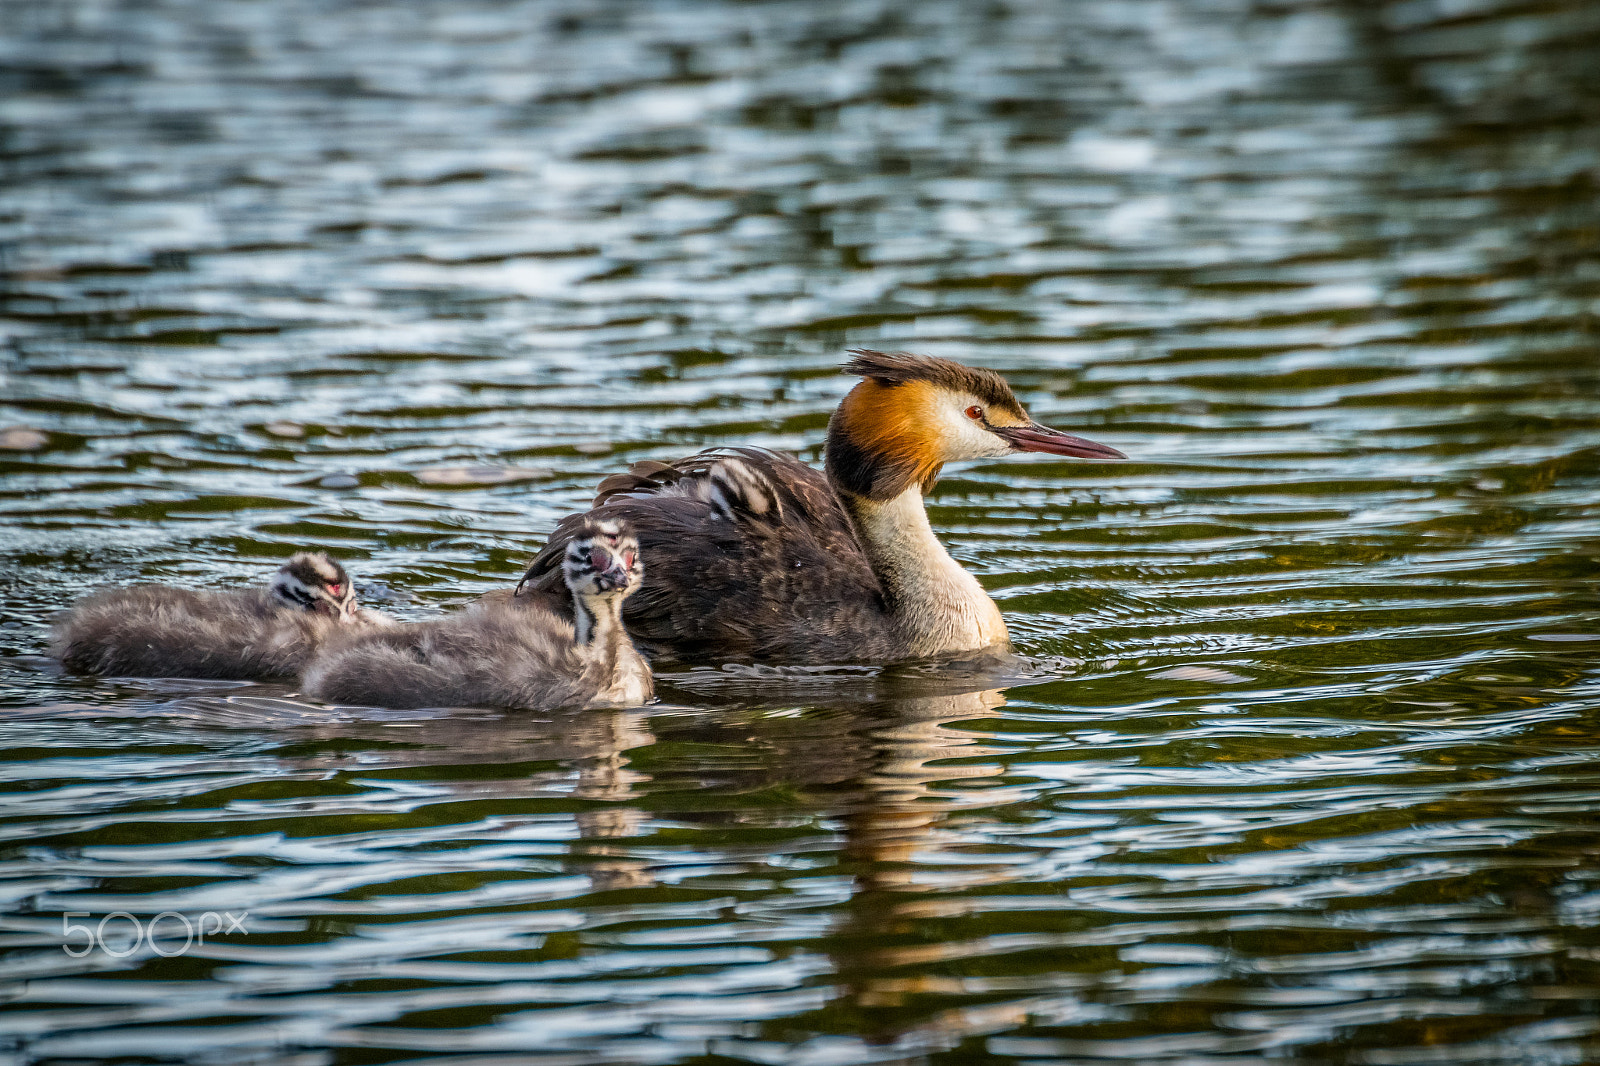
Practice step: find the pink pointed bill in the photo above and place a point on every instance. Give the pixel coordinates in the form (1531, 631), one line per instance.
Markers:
(1037, 438)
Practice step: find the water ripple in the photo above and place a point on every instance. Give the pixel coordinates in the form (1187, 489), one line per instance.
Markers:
(1296, 759)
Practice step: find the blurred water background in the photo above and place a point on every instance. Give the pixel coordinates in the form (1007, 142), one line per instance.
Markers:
(1304, 767)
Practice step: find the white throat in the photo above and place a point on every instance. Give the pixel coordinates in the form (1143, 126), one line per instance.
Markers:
(936, 604)
(601, 638)
(596, 622)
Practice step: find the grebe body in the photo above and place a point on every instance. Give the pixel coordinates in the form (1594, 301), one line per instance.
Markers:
(756, 556)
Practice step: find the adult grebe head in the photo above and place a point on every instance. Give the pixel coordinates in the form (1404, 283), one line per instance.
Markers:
(911, 414)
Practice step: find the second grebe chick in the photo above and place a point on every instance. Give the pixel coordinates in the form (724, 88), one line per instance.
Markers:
(505, 652)
(755, 555)
(259, 634)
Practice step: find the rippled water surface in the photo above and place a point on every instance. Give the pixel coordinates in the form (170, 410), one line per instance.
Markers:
(1301, 763)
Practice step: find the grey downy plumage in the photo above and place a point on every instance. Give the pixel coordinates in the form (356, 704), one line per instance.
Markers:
(504, 652)
(251, 634)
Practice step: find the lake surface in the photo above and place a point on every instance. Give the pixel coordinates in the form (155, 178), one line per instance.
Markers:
(1300, 764)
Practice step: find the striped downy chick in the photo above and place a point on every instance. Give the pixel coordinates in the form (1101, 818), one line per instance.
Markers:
(506, 652)
(258, 634)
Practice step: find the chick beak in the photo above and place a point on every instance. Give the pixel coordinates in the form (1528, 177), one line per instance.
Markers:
(1036, 438)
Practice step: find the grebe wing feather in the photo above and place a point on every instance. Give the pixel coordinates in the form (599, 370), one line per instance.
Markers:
(737, 482)
(748, 554)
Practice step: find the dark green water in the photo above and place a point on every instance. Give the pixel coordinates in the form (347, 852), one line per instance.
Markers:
(1304, 767)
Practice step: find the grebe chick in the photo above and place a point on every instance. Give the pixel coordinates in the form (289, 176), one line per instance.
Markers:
(257, 634)
(756, 556)
(506, 652)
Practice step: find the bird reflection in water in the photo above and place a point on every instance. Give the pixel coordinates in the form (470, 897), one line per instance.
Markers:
(604, 777)
(922, 771)
(893, 767)
(580, 754)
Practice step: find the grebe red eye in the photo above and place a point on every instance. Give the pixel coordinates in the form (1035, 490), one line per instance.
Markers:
(975, 413)
(333, 587)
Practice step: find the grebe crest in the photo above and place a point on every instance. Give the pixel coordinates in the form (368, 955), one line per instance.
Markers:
(911, 414)
(311, 581)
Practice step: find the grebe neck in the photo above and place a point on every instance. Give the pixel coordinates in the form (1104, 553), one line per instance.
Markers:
(936, 605)
(596, 625)
(601, 639)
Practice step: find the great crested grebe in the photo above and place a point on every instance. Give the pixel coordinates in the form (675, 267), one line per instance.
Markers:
(504, 652)
(253, 634)
(755, 555)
